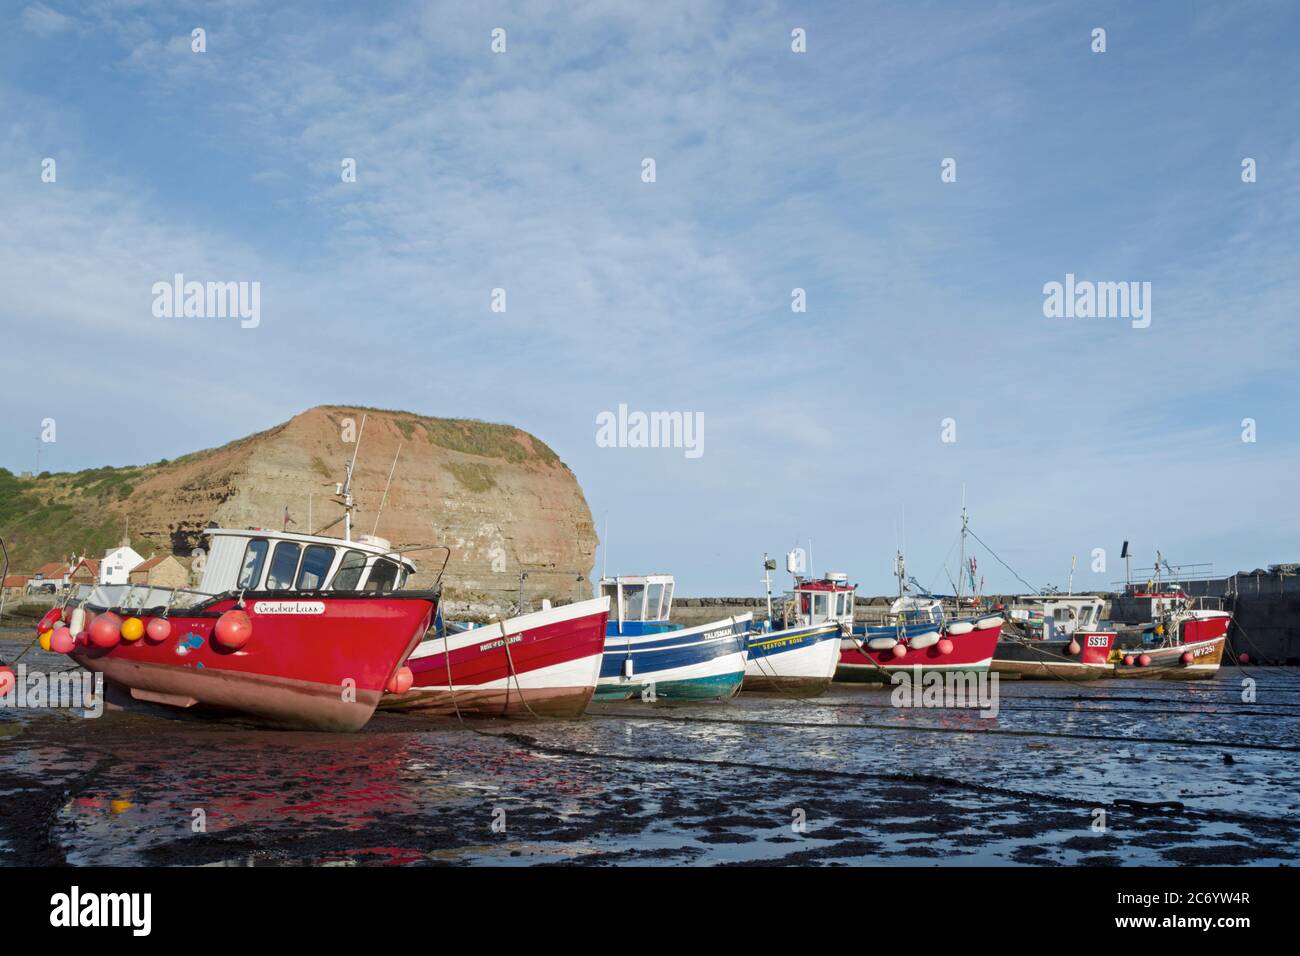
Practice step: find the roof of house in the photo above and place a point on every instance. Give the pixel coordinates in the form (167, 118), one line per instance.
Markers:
(149, 563)
(53, 569)
(91, 564)
(16, 581)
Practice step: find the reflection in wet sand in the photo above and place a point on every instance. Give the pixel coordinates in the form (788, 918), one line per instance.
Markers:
(1184, 773)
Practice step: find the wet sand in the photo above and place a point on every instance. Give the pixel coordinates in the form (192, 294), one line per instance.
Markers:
(1187, 773)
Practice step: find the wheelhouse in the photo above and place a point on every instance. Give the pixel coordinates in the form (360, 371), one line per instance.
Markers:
(913, 609)
(259, 560)
(639, 602)
(1058, 616)
(828, 600)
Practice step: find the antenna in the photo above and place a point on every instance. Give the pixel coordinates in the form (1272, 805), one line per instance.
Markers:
(344, 491)
(384, 500)
(963, 545)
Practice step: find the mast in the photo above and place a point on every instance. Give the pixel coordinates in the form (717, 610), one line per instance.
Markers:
(768, 565)
(962, 565)
(344, 491)
(384, 500)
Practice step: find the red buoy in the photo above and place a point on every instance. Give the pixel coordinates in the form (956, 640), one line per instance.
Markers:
(158, 629)
(945, 646)
(1072, 648)
(233, 630)
(47, 622)
(1144, 660)
(899, 650)
(1128, 659)
(1243, 658)
(62, 641)
(105, 629)
(7, 680)
(401, 681)
(1187, 657)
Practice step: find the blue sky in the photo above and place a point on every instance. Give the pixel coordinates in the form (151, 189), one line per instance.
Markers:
(775, 170)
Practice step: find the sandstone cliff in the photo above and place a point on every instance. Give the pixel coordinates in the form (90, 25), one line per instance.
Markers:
(499, 498)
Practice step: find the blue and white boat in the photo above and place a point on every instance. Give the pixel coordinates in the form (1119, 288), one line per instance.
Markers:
(649, 656)
(797, 652)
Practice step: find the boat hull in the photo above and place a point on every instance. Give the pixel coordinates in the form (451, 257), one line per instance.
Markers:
(797, 660)
(550, 670)
(1167, 662)
(971, 651)
(706, 662)
(1052, 660)
(314, 662)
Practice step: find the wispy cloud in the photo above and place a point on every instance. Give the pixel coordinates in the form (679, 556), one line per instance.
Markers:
(775, 170)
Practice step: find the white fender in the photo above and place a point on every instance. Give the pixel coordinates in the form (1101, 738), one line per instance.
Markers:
(961, 627)
(77, 623)
(881, 643)
(922, 641)
(985, 623)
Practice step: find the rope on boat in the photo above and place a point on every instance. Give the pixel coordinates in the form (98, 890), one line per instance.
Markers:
(510, 663)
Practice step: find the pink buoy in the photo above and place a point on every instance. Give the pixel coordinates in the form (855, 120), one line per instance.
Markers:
(1187, 657)
(945, 647)
(1072, 648)
(233, 630)
(1128, 659)
(1144, 660)
(898, 650)
(7, 680)
(62, 641)
(401, 681)
(105, 629)
(158, 629)
(1243, 658)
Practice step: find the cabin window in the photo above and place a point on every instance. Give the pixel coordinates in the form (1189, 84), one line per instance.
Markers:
(653, 596)
(634, 602)
(284, 562)
(805, 602)
(821, 605)
(349, 572)
(254, 557)
(383, 576)
(316, 561)
(668, 599)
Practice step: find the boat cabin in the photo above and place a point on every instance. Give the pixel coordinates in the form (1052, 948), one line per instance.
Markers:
(828, 600)
(639, 603)
(916, 609)
(1057, 616)
(255, 559)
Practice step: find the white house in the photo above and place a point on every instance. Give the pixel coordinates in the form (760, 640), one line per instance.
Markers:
(117, 564)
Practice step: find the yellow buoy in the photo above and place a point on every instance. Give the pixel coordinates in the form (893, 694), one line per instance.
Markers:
(132, 629)
(45, 640)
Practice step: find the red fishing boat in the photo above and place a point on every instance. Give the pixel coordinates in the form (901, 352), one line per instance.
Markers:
(292, 630)
(917, 635)
(1183, 640)
(1055, 636)
(545, 663)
